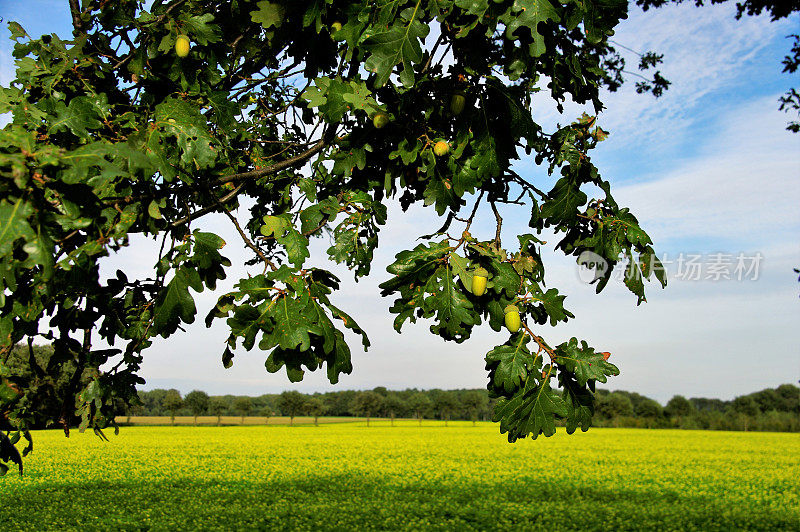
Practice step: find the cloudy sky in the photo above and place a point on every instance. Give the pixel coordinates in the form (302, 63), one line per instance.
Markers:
(708, 169)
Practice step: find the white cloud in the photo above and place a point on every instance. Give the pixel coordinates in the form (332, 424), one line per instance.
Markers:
(707, 54)
(742, 185)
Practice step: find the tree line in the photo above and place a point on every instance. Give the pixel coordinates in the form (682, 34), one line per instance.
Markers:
(773, 409)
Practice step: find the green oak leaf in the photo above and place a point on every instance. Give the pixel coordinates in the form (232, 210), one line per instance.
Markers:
(413, 265)
(176, 304)
(206, 246)
(533, 411)
(510, 363)
(584, 362)
(553, 304)
(454, 313)
(81, 115)
(400, 44)
(14, 224)
(474, 7)
(202, 30)
(328, 95)
(269, 15)
(504, 278)
(274, 226)
(530, 13)
(292, 326)
(562, 202)
(179, 119)
(460, 267)
(580, 404)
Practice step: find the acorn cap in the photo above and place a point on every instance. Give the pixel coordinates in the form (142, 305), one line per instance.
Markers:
(511, 308)
(480, 272)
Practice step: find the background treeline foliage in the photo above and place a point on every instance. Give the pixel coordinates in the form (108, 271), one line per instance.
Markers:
(771, 409)
(775, 409)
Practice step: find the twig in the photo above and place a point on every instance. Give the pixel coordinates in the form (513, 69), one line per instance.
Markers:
(474, 210)
(433, 51)
(543, 346)
(205, 210)
(450, 217)
(499, 223)
(248, 242)
(271, 169)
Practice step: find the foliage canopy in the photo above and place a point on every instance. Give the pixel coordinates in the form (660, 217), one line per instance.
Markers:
(268, 122)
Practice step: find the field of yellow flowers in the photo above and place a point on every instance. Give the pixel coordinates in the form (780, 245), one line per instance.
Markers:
(350, 476)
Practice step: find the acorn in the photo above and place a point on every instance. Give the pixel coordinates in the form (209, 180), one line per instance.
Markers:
(512, 318)
(379, 120)
(479, 278)
(182, 45)
(457, 102)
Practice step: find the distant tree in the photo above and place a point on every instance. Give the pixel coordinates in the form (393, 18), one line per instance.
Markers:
(746, 407)
(197, 402)
(314, 407)
(474, 401)
(153, 401)
(678, 408)
(243, 405)
(446, 402)
(419, 403)
(392, 405)
(172, 402)
(291, 403)
(765, 400)
(615, 405)
(136, 409)
(702, 404)
(339, 403)
(216, 406)
(264, 401)
(367, 404)
(789, 398)
(648, 408)
(267, 412)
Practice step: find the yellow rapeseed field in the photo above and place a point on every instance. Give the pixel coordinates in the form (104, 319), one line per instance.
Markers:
(349, 476)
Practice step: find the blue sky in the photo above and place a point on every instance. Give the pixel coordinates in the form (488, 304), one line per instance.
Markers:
(708, 168)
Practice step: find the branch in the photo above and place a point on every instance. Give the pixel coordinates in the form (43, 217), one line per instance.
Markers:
(499, 223)
(541, 343)
(474, 210)
(433, 51)
(277, 167)
(247, 241)
(75, 10)
(208, 209)
(32, 359)
(161, 17)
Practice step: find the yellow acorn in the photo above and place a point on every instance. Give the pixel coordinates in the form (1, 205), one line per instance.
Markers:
(479, 281)
(441, 148)
(512, 318)
(182, 45)
(380, 120)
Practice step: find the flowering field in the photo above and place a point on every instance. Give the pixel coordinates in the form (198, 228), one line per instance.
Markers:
(349, 476)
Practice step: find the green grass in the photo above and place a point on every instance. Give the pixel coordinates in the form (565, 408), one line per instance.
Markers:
(349, 476)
